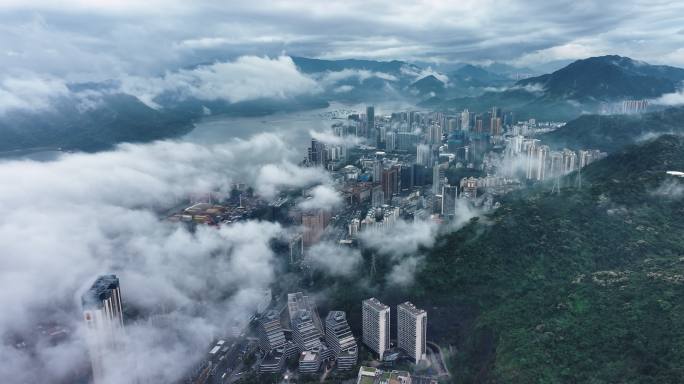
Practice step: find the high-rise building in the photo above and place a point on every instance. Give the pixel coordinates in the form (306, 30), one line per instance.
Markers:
(296, 246)
(569, 161)
(451, 125)
(378, 167)
(496, 127)
(412, 330)
(437, 178)
(390, 182)
(435, 134)
(377, 197)
(479, 127)
(465, 120)
(449, 196)
(271, 335)
(407, 141)
(376, 325)
(391, 141)
(339, 337)
(424, 155)
(103, 315)
(314, 223)
(306, 332)
(316, 155)
(370, 123)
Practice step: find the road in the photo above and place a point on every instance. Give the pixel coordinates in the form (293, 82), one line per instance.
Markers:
(437, 359)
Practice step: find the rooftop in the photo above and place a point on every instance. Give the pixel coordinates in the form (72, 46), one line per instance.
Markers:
(409, 307)
(100, 290)
(375, 304)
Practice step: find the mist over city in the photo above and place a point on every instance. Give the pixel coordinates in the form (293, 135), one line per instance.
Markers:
(361, 192)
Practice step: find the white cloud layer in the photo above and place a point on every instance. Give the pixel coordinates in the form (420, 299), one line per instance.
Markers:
(67, 221)
(321, 197)
(30, 92)
(246, 78)
(333, 259)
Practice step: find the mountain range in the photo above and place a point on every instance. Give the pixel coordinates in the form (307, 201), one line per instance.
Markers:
(614, 132)
(583, 86)
(576, 89)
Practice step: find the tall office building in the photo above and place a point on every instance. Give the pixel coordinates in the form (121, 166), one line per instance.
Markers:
(316, 154)
(424, 155)
(378, 167)
(271, 335)
(376, 325)
(377, 196)
(465, 120)
(435, 134)
(412, 330)
(103, 315)
(370, 124)
(449, 196)
(314, 223)
(339, 337)
(438, 173)
(495, 126)
(307, 332)
(390, 182)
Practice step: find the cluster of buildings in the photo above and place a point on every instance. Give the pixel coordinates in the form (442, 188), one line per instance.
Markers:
(538, 162)
(625, 107)
(307, 339)
(411, 329)
(405, 165)
(206, 211)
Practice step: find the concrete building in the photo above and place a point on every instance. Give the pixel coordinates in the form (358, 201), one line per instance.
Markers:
(424, 155)
(465, 120)
(271, 335)
(316, 154)
(438, 173)
(412, 330)
(296, 247)
(370, 124)
(103, 315)
(449, 196)
(314, 223)
(339, 338)
(307, 333)
(435, 134)
(376, 325)
(377, 197)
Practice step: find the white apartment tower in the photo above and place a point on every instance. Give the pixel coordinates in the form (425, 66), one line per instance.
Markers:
(103, 315)
(411, 330)
(376, 325)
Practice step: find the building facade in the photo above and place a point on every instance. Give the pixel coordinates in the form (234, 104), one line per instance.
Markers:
(103, 315)
(340, 339)
(376, 325)
(412, 330)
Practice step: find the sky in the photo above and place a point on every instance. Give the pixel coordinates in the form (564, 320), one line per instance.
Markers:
(79, 40)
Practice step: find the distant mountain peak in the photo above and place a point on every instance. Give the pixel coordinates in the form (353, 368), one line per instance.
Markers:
(609, 77)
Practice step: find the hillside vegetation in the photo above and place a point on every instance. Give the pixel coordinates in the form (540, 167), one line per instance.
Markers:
(611, 133)
(585, 286)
